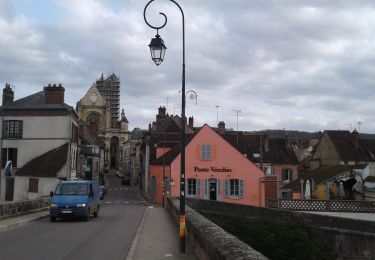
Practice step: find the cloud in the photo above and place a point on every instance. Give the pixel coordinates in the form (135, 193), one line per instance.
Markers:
(304, 65)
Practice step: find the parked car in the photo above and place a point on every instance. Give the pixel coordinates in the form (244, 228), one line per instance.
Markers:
(75, 199)
(103, 191)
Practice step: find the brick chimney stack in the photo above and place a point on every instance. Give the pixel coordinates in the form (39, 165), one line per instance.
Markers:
(161, 113)
(54, 94)
(191, 122)
(221, 126)
(8, 95)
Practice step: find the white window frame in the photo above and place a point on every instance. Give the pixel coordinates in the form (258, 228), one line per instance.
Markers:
(234, 188)
(206, 152)
(289, 171)
(193, 187)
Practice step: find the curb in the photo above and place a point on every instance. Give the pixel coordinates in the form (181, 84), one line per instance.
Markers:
(136, 237)
(22, 222)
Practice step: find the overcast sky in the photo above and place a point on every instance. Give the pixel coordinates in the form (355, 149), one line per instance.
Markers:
(298, 64)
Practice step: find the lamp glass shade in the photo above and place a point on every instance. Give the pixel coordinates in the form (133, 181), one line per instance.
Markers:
(157, 49)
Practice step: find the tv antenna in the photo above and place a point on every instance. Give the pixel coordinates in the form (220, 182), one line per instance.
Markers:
(237, 111)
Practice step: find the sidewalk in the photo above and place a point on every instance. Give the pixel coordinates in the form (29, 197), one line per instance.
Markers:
(157, 237)
(11, 222)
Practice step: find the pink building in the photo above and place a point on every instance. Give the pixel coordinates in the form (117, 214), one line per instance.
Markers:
(214, 169)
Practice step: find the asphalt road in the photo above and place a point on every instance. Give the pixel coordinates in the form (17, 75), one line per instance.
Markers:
(107, 237)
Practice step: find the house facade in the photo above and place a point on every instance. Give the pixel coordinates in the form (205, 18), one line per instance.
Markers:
(340, 147)
(35, 129)
(214, 170)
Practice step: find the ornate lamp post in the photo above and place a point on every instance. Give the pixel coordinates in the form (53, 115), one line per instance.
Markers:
(157, 49)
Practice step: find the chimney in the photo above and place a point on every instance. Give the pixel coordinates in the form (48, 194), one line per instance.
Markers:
(191, 122)
(161, 113)
(54, 94)
(221, 126)
(8, 95)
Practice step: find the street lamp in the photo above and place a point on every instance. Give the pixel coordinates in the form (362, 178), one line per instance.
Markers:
(157, 49)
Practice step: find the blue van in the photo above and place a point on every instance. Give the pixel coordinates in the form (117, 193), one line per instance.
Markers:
(75, 199)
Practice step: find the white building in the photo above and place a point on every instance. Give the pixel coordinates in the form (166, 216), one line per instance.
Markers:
(39, 135)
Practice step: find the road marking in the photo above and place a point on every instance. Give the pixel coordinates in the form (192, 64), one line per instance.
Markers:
(136, 237)
(108, 202)
(126, 202)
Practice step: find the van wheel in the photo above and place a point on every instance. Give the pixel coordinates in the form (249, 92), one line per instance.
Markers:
(96, 213)
(53, 219)
(87, 217)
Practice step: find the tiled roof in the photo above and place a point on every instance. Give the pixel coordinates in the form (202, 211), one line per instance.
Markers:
(319, 175)
(137, 134)
(47, 164)
(344, 143)
(34, 101)
(279, 153)
(169, 156)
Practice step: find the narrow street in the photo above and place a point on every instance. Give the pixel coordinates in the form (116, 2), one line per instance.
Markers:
(107, 237)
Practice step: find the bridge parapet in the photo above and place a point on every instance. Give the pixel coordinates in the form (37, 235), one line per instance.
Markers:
(346, 238)
(210, 241)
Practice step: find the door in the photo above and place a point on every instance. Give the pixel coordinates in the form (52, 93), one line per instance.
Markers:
(212, 189)
(153, 189)
(9, 189)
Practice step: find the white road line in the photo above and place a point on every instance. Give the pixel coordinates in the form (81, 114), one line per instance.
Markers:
(136, 237)
(108, 202)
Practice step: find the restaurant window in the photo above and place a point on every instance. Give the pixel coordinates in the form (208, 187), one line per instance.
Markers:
(12, 129)
(206, 152)
(193, 187)
(234, 188)
(33, 185)
(286, 175)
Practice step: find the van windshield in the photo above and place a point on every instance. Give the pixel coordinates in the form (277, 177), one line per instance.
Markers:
(71, 189)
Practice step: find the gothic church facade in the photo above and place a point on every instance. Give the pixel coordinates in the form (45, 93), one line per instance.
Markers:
(99, 108)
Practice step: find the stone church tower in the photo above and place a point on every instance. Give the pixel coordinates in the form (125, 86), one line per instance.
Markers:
(99, 109)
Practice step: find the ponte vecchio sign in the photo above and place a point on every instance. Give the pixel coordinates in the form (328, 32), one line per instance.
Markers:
(213, 169)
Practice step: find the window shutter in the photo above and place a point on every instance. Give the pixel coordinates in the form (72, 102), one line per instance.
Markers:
(226, 188)
(209, 152)
(5, 129)
(241, 189)
(206, 189)
(218, 189)
(4, 157)
(20, 129)
(198, 187)
(186, 188)
(290, 175)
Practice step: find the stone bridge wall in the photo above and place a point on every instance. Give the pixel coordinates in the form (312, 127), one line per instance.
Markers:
(10, 209)
(209, 241)
(347, 238)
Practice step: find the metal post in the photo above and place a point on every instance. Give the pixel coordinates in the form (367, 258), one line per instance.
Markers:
(182, 226)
